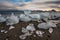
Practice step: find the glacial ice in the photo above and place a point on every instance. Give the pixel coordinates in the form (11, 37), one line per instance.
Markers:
(25, 18)
(2, 19)
(12, 19)
(46, 25)
(30, 27)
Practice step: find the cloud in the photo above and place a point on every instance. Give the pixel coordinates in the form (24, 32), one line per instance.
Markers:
(53, 2)
(31, 5)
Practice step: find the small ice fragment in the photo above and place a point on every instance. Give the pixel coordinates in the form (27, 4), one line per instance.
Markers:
(50, 30)
(30, 27)
(22, 37)
(2, 30)
(5, 31)
(6, 39)
(39, 33)
(34, 35)
(11, 27)
(24, 30)
(28, 34)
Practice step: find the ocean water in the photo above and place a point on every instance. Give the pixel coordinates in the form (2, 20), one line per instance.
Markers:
(18, 13)
(9, 13)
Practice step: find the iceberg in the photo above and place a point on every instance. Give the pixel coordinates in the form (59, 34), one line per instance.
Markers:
(46, 25)
(27, 11)
(2, 19)
(35, 17)
(24, 18)
(12, 19)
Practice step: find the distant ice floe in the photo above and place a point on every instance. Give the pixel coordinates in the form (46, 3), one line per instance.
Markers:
(2, 19)
(27, 12)
(12, 20)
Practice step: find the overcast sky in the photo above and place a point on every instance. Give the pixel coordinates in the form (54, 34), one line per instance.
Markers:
(30, 4)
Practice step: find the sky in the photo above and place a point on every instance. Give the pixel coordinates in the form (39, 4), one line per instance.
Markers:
(30, 4)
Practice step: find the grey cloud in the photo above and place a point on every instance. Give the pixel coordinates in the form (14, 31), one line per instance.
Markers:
(54, 7)
(53, 2)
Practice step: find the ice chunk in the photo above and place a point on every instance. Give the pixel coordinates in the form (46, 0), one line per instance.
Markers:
(11, 27)
(51, 24)
(27, 11)
(5, 31)
(24, 30)
(22, 37)
(12, 19)
(2, 30)
(34, 35)
(30, 27)
(6, 39)
(28, 34)
(25, 18)
(35, 17)
(55, 21)
(43, 26)
(39, 33)
(2, 19)
(50, 30)
(46, 25)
